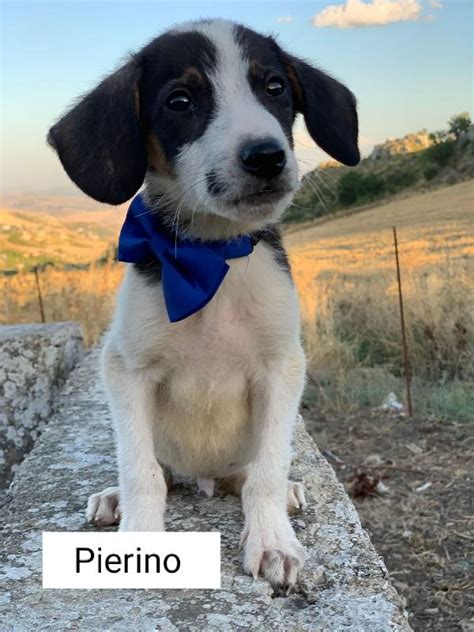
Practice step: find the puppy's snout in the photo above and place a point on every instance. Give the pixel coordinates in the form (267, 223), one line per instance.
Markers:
(263, 159)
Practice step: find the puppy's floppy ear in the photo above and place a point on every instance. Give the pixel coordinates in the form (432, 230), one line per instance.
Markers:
(100, 142)
(329, 109)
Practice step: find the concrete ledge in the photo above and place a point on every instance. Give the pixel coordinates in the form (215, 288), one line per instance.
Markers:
(344, 585)
(35, 361)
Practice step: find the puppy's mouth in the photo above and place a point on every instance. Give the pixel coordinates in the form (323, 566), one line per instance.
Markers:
(265, 195)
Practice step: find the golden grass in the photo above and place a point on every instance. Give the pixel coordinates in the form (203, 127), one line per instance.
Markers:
(345, 273)
(87, 296)
(435, 230)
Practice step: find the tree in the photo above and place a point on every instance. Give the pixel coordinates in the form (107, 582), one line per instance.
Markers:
(440, 136)
(459, 123)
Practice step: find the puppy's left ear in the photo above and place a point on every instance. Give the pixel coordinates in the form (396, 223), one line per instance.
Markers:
(329, 110)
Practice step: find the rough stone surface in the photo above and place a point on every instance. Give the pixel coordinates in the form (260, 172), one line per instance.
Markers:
(344, 585)
(35, 361)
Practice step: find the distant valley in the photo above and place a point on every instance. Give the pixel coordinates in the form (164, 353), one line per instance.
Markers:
(59, 229)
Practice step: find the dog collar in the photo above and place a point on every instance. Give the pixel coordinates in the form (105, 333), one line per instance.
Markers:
(192, 270)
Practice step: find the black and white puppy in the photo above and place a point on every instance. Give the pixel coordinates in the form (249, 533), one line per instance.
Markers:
(203, 116)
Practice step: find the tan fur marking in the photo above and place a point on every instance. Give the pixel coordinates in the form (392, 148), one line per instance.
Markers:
(193, 76)
(295, 82)
(156, 156)
(255, 69)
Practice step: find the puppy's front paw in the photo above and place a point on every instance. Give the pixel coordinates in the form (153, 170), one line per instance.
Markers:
(103, 508)
(275, 553)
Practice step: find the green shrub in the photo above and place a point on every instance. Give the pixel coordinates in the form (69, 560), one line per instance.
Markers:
(431, 171)
(442, 153)
(357, 188)
(347, 188)
(400, 179)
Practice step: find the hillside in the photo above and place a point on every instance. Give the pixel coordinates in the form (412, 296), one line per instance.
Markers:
(396, 168)
(447, 213)
(56, 229)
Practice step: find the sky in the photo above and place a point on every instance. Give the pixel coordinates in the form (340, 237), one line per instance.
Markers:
(409, 62)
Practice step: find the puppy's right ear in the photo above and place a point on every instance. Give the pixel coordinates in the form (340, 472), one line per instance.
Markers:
(100, 141)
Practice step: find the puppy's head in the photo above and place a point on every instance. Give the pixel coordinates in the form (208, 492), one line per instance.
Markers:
(206, 110)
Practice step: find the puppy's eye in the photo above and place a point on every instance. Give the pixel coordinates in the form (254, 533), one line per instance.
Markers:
(275, 86)
(178, 101)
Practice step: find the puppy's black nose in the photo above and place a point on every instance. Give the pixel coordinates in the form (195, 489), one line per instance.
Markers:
(264, 159)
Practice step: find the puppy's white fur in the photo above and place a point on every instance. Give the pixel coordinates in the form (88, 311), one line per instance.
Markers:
(216, 394)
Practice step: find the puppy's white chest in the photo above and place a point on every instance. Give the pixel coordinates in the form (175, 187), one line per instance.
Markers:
(242, 323)
(221, 334)
(209, 363)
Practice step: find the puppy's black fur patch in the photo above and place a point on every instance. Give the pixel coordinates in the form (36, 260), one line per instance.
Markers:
(271, 236)
(151, 271)
(171, 62)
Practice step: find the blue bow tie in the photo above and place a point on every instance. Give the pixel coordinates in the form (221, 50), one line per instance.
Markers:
(192, 270)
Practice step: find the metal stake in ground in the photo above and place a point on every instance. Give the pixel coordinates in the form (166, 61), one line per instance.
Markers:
(406, 363)
(40, 298)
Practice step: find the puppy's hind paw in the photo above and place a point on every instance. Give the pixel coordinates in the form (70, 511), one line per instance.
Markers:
(103, 508)
(296, 501)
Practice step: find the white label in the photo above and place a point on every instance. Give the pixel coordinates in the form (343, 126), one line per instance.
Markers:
(131, 560)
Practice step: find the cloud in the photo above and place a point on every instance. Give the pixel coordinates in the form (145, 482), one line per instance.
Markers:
(356, 13)
(286, 19)
(435, 4)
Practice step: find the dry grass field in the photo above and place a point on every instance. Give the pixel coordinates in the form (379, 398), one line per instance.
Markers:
(87, 296)
(345, 272)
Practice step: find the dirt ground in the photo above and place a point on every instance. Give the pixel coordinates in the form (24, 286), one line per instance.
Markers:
(411, 481)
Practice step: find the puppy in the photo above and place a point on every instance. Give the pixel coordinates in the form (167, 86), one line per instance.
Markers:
(203, 117)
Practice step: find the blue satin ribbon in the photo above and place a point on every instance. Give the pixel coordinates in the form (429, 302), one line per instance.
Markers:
(192, 270)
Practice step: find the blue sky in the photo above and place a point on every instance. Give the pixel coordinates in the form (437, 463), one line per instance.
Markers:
(406, 74)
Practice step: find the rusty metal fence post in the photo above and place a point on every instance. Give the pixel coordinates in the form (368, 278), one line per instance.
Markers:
(406, 362)
(40, 297)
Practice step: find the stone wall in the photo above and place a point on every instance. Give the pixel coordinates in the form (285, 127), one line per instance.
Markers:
(35, 361)
(344, 585)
